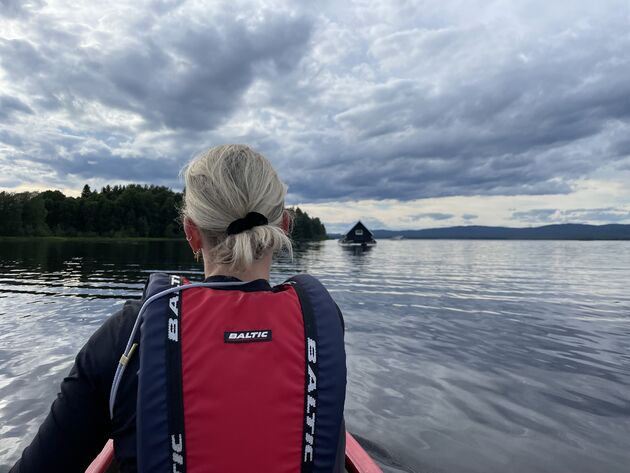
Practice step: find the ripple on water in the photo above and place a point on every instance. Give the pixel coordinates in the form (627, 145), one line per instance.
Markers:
(463, 356)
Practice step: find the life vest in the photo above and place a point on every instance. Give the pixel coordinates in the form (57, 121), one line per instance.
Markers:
(236, 381)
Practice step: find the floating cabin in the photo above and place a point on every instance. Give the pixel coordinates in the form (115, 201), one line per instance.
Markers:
(358, 235)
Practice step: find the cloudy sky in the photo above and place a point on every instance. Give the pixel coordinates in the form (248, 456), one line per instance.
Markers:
(406, 114)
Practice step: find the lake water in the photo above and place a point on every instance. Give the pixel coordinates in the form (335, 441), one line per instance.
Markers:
(463, 356)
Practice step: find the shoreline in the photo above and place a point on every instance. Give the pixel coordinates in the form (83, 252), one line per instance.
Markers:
(104, 239)
(110, 239)
(88, 238)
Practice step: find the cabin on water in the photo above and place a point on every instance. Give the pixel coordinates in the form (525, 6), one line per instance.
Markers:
(358, 235)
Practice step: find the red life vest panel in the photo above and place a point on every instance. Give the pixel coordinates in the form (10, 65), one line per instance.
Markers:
(236, 381)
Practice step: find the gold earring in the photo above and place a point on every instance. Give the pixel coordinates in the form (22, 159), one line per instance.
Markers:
(197, 255)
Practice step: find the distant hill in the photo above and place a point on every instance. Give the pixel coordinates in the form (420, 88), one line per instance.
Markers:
(568, 231)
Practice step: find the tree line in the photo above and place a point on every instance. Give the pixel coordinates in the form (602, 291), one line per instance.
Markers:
(305, 227)
(116, 211)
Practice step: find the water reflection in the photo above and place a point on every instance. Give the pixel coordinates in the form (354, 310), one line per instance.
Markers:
(88, 269)
(356, 250)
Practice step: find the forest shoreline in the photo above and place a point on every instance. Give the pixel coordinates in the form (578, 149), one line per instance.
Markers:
(112, 239)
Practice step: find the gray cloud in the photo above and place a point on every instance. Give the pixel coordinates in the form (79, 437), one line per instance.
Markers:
(10, 105)
(10, 138)
(535, 215)
(469, 217)
(608, 214)
(432, 216)
(110, 167)
(174, 77)
(424, 105)
(18, 8)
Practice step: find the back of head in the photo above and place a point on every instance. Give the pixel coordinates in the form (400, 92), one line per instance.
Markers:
(224, 184)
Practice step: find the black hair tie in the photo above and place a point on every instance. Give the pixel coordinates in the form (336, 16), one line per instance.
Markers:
(251, 220)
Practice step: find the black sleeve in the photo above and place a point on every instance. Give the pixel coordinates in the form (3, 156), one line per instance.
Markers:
(340, 459)
(343, 324)
(78, 423)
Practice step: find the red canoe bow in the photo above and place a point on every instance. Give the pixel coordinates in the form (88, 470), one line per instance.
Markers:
(103, 460)
(357, 459)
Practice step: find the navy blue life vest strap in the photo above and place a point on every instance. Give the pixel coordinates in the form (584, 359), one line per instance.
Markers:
(161, 436)
(174, 381)
(322, 321)
(311, 376)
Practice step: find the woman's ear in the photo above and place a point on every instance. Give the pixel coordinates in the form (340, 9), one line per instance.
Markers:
(193, 234)
(286, 222)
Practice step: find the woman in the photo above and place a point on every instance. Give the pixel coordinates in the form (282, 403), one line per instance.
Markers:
(234, 376)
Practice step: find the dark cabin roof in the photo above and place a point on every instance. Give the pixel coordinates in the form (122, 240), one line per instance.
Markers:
(350, 235)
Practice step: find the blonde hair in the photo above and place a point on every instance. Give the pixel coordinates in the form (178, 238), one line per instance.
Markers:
(224, 184)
